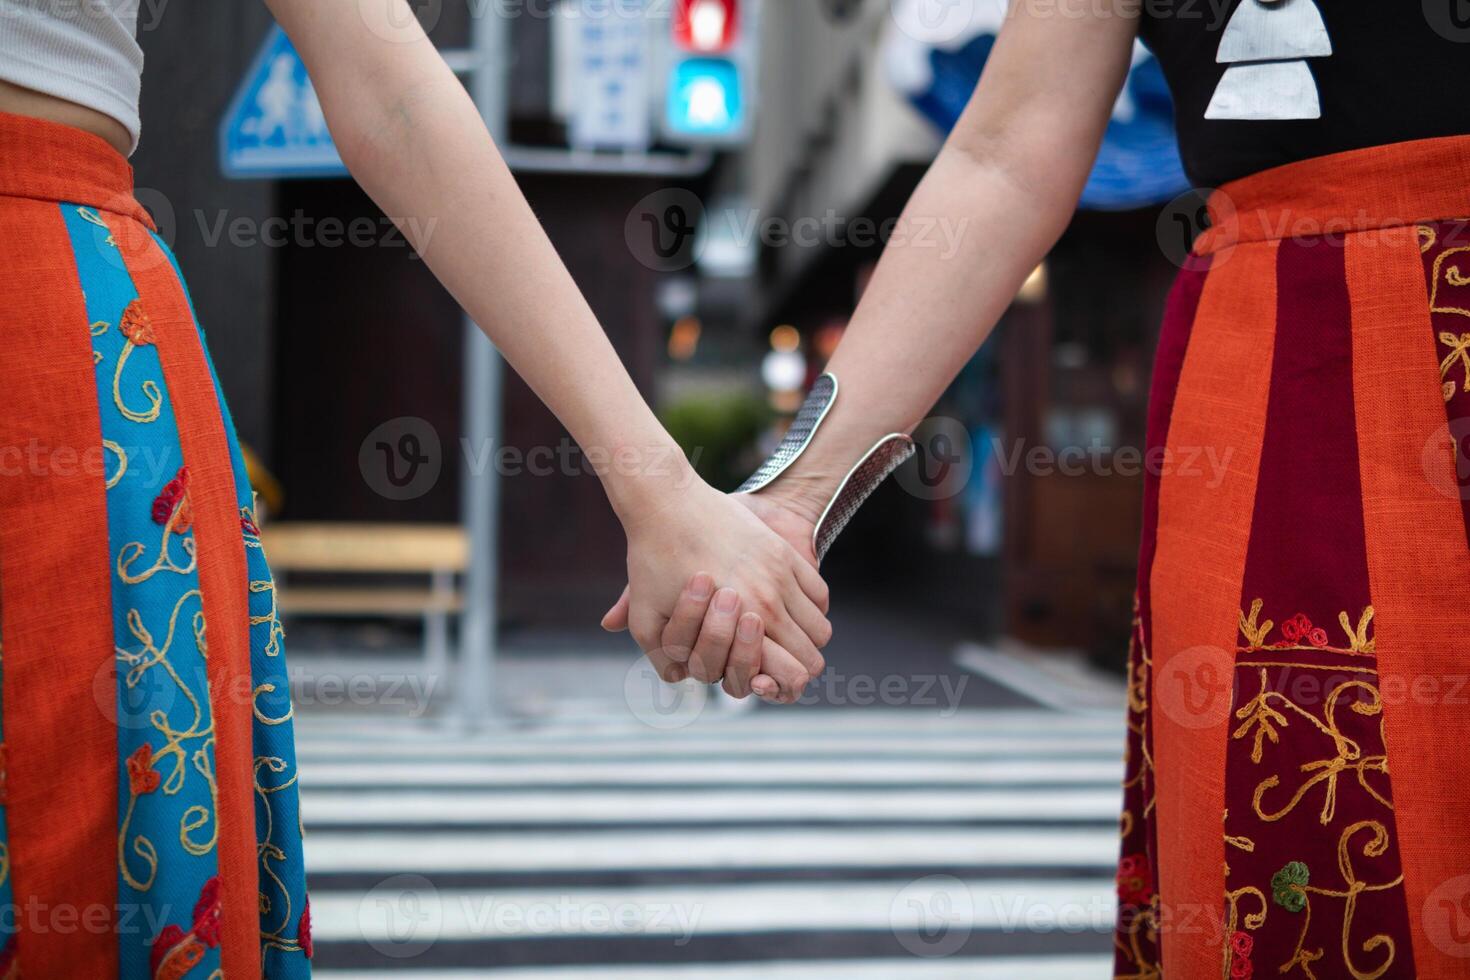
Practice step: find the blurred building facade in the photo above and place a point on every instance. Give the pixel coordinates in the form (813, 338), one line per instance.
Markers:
(319, 342)
(317, 346)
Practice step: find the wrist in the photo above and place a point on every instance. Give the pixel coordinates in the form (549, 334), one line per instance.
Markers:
(641, 480)
(805, 490)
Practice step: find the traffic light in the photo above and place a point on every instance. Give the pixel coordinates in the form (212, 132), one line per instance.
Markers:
(707, 91)
(706, 26)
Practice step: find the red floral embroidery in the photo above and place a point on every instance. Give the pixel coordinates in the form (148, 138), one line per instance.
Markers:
(142, 777)
(170, 936)
(136, 326)
(207, 913)
(303, 929)
(1135, 880)
(1299, 629)
(174, 953)
(174, 497)
(249, 526)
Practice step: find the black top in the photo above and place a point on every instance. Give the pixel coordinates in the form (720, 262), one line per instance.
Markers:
(1258, 84)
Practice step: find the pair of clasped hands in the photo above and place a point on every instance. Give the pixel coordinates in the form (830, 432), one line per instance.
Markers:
(724, 588)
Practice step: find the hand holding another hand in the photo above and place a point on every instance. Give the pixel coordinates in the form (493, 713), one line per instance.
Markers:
(726, 587)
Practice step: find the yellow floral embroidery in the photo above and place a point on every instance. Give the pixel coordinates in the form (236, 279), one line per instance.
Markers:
(1445, 273)
(1377, 846)
(1459, 345)
(1355, 754)
(108, 446)
(129, 554)
(268, 852)
(149, 655)
(93, 218)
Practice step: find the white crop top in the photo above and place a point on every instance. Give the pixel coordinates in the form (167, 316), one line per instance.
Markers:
(84, 51)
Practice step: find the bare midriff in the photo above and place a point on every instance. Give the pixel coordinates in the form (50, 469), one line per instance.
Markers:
(27, 102)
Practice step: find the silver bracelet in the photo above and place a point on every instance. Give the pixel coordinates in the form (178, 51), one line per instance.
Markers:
(857, 486)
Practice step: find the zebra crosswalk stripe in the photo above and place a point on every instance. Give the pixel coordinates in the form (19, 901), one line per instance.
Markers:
(698, 805)
(996, 968)
(523, 855)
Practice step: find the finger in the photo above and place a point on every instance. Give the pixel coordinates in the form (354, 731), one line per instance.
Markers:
(764, 686)
(782, 628)
(647, 628)
(813, 585)
(782, 669)
(707, 662)
(668, 671)
(809, 617)
(745, 656)
(615, 620)
(689, 612)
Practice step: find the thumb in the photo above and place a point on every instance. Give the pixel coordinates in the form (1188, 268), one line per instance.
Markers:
(615, 620)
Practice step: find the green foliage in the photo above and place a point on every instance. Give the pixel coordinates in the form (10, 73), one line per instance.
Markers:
(718, 434)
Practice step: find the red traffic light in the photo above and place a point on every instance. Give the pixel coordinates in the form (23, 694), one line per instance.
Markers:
(706, 26)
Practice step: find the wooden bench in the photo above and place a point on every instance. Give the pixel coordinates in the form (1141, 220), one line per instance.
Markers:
(438, 551)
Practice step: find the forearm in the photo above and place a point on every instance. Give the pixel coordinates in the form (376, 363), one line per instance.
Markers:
(932, 301)
(414, 140)
(993, 203)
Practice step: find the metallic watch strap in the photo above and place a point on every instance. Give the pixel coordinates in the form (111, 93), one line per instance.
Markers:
(885, 457)
(798, 436)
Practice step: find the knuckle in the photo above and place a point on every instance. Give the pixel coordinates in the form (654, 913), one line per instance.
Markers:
(716, 635)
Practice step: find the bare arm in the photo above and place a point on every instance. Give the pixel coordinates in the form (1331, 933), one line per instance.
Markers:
(414, 140)
(1003, 187)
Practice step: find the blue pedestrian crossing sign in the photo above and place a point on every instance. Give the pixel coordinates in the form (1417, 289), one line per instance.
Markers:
(274, 126)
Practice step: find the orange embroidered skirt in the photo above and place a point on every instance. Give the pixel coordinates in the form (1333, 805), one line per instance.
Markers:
(1297, 801)
(148, 814)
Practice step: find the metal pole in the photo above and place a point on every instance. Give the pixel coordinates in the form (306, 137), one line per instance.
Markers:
(482, 402)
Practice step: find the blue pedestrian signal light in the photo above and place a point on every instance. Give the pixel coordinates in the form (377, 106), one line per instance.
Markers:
(706, 101)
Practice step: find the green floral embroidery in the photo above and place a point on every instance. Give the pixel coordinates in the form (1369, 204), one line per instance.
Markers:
(1289, 886)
